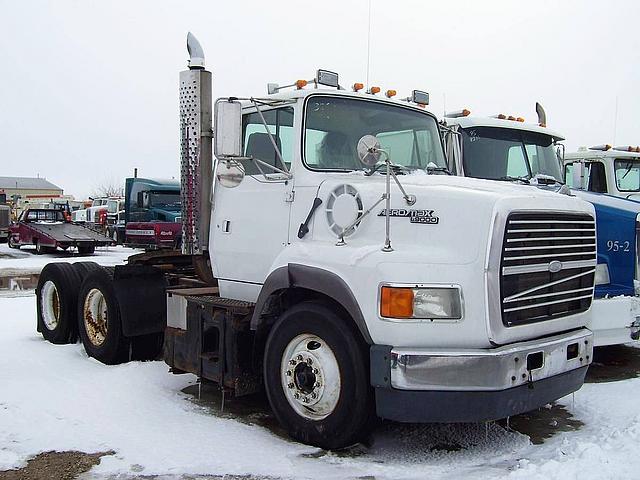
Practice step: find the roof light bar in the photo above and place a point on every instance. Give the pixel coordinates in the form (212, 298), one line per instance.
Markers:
(627, 148)
(603, 148)
(458, 113)
(502, 116)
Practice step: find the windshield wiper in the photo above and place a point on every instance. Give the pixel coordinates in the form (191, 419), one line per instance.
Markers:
(509, 178)
(542, 179)
(629, 167)
(439, 169)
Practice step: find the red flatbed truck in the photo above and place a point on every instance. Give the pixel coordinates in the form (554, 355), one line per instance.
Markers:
(48, 230)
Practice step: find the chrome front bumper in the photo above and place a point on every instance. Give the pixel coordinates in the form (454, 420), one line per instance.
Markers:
(491, 369)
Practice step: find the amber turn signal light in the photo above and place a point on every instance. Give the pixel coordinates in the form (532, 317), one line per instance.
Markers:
(396, 302)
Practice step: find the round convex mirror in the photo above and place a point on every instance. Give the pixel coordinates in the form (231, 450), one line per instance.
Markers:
(230, 173)
(369, 150)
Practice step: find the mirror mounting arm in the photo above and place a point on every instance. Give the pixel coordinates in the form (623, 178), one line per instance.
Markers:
(410, 199)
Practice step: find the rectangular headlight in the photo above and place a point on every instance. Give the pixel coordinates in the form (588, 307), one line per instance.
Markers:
(431, 303)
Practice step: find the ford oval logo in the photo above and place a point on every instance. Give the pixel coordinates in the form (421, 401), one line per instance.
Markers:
(555, 266)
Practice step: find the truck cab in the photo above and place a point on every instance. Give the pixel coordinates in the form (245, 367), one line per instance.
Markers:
(514, 151)
(152, 212)
(437, 276)
(605, 169)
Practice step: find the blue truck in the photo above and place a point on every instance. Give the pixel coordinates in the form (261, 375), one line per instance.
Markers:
(151, 218)
(504, 148)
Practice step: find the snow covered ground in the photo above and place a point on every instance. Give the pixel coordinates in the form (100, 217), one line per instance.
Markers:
(56, 398)
(25, 260)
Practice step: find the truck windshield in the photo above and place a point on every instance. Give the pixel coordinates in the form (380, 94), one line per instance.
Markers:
(333, 126)
(112, 206)
(167, 200)
(628, 174)
(503, 153)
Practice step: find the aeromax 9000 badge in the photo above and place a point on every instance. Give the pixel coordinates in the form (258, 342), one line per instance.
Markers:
(415, 216)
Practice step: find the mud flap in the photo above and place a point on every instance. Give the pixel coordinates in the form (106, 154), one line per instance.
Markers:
(140, 290)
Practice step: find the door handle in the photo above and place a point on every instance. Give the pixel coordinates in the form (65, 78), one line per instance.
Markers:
(304, 227)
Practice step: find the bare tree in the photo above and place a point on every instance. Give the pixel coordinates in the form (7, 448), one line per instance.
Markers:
(109, 188)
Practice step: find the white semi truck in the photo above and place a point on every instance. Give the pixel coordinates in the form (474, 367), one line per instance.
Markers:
(506, 148)
(328, 259)
(605, 169)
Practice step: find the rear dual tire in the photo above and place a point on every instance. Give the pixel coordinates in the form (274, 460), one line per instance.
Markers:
(56, 300)
(100, 323)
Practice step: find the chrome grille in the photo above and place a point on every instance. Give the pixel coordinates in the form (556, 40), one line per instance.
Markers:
(547, 267)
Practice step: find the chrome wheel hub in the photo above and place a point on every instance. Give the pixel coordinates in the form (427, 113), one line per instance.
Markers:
(310, 377)
(50, 305)
(96, 320)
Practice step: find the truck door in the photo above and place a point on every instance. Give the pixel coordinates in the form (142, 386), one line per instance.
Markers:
(250, 224)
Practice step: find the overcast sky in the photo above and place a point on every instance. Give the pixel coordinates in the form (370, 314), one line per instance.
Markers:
(89, 89)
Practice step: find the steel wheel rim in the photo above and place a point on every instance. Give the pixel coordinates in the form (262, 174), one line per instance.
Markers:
(310, 377)
(95, 314)
(50, 305)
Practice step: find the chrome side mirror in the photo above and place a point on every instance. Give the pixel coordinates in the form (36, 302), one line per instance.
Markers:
(369, 150)
(227, 129)
(579, 176)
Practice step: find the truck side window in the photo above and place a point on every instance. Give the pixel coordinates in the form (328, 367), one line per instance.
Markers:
(257, 143)
(568, 175)
(597, 178)
(627, 174)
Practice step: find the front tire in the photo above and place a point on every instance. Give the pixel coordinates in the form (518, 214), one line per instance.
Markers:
(317, 377)
(56, 300)
(12, 243)
(99, 323)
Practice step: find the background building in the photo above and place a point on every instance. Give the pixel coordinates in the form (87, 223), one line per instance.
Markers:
(27, 187)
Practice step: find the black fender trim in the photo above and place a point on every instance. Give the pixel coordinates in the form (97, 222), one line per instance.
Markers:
(311, 278)
(141, 294)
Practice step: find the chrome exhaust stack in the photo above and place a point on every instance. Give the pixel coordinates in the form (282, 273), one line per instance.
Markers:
(196, 161)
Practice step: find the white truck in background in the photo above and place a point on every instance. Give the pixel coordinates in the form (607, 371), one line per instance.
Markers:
(605, 169)
(339, 269)
(505, 148)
